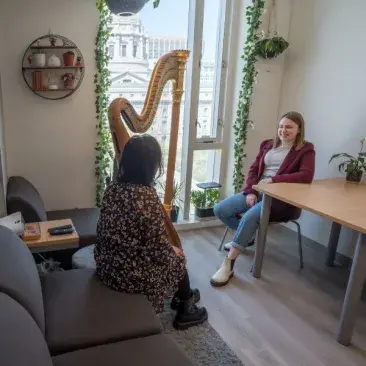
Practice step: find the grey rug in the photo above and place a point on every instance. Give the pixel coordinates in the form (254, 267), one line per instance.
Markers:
(203, 345)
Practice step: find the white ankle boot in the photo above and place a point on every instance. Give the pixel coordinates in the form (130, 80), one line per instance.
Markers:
(223, 275)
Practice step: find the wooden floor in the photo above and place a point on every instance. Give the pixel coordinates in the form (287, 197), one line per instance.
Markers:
(288, 317)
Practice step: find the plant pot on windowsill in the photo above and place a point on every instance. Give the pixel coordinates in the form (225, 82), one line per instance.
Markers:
(174, 213)
(204, 212)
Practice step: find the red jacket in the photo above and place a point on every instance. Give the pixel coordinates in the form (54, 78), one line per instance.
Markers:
(298, 167)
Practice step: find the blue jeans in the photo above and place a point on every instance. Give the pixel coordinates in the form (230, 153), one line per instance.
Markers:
(247, 226)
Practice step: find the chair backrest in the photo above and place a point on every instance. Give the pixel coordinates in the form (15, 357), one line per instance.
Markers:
(19, 277)
(21, 341)
(23, 196)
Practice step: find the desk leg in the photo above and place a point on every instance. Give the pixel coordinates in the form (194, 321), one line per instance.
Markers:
(353, 293)
(333, 243)
(261, 235)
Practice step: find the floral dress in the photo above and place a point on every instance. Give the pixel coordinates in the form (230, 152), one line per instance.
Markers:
(132, 251)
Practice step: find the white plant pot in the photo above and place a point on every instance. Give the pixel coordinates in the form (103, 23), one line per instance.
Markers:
(39, 60)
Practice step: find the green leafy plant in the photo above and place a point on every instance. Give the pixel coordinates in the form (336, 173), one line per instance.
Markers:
(353, 166)
(155, 3)
(104, 151)
(206, 198)
(242, 121)
(177, 190)
(271, 47)
(212, 197)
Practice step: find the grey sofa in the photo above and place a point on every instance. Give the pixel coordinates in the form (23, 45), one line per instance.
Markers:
(71, 318)
(23, 196)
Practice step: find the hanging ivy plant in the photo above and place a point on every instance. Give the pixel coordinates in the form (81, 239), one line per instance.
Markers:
(104, 148)
(269, 46)
(242, 122)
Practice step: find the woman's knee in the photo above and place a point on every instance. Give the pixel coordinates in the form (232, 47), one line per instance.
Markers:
(253, 214)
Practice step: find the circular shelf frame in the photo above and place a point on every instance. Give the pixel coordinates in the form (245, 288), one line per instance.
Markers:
(44, 45)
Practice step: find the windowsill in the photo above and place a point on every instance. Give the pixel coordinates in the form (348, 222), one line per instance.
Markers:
(194, 223)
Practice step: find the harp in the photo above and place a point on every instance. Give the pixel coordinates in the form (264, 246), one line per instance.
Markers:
(170, 67)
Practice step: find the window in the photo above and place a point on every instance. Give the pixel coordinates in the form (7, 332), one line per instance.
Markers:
(111, 50)
(124, 50)
(134, 51)
(192, 24)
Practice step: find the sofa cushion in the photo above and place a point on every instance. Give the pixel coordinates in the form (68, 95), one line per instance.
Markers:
(81, 311)
(154, 350)
(23, 196)
(19, 276)
(21, 341)
(85, 221)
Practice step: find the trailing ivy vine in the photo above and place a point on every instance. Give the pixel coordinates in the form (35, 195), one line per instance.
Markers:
(104, 147)
(242, 122)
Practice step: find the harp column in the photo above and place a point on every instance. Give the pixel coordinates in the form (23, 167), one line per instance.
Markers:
(177, 99)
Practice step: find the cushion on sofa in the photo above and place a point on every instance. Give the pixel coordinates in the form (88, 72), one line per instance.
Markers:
(21, 341)
(154, 350)
(19, 276)
(23, 196)
(85, 221)
(77, 304)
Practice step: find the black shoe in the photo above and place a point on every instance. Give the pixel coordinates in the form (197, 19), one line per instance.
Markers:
(189, 315)
(196, 297)
(249, 245)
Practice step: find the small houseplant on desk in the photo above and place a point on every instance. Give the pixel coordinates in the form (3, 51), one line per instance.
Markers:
(352, 166)
(205, 200)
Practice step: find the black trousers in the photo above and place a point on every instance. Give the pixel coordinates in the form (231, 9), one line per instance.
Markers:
(184, 288)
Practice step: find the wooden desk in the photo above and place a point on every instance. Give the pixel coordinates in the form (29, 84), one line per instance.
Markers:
(343, 203)
(48, 242)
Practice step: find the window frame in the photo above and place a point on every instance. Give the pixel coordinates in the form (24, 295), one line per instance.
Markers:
(192, 83)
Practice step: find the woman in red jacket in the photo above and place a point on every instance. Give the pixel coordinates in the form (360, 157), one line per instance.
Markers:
(286, 159)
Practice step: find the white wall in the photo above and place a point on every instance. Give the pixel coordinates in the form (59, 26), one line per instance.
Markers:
(267, 94)
(325, 79)
(51, 143)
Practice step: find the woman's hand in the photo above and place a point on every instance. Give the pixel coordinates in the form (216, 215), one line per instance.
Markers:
(251, 200)
(266, 181)
(178, 252)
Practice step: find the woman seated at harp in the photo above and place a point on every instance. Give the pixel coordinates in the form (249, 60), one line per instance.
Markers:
(132, 252)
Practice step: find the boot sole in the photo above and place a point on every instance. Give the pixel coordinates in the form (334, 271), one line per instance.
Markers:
(184, 326)
(221, 284)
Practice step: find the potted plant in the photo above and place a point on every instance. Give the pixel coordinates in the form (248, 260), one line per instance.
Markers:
(69, 58)
(128, 7)
(352, 166)
(38, 59)
(176, 200)
(271, 45)
(68, 80)
(53, 41)
(204, 201)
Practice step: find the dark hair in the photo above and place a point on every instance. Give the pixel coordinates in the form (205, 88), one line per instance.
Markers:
(141, 161)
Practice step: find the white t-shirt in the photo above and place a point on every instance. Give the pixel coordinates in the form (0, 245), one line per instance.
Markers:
(274, 159)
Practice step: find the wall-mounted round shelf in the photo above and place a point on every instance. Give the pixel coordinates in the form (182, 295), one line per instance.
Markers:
(53, 67)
